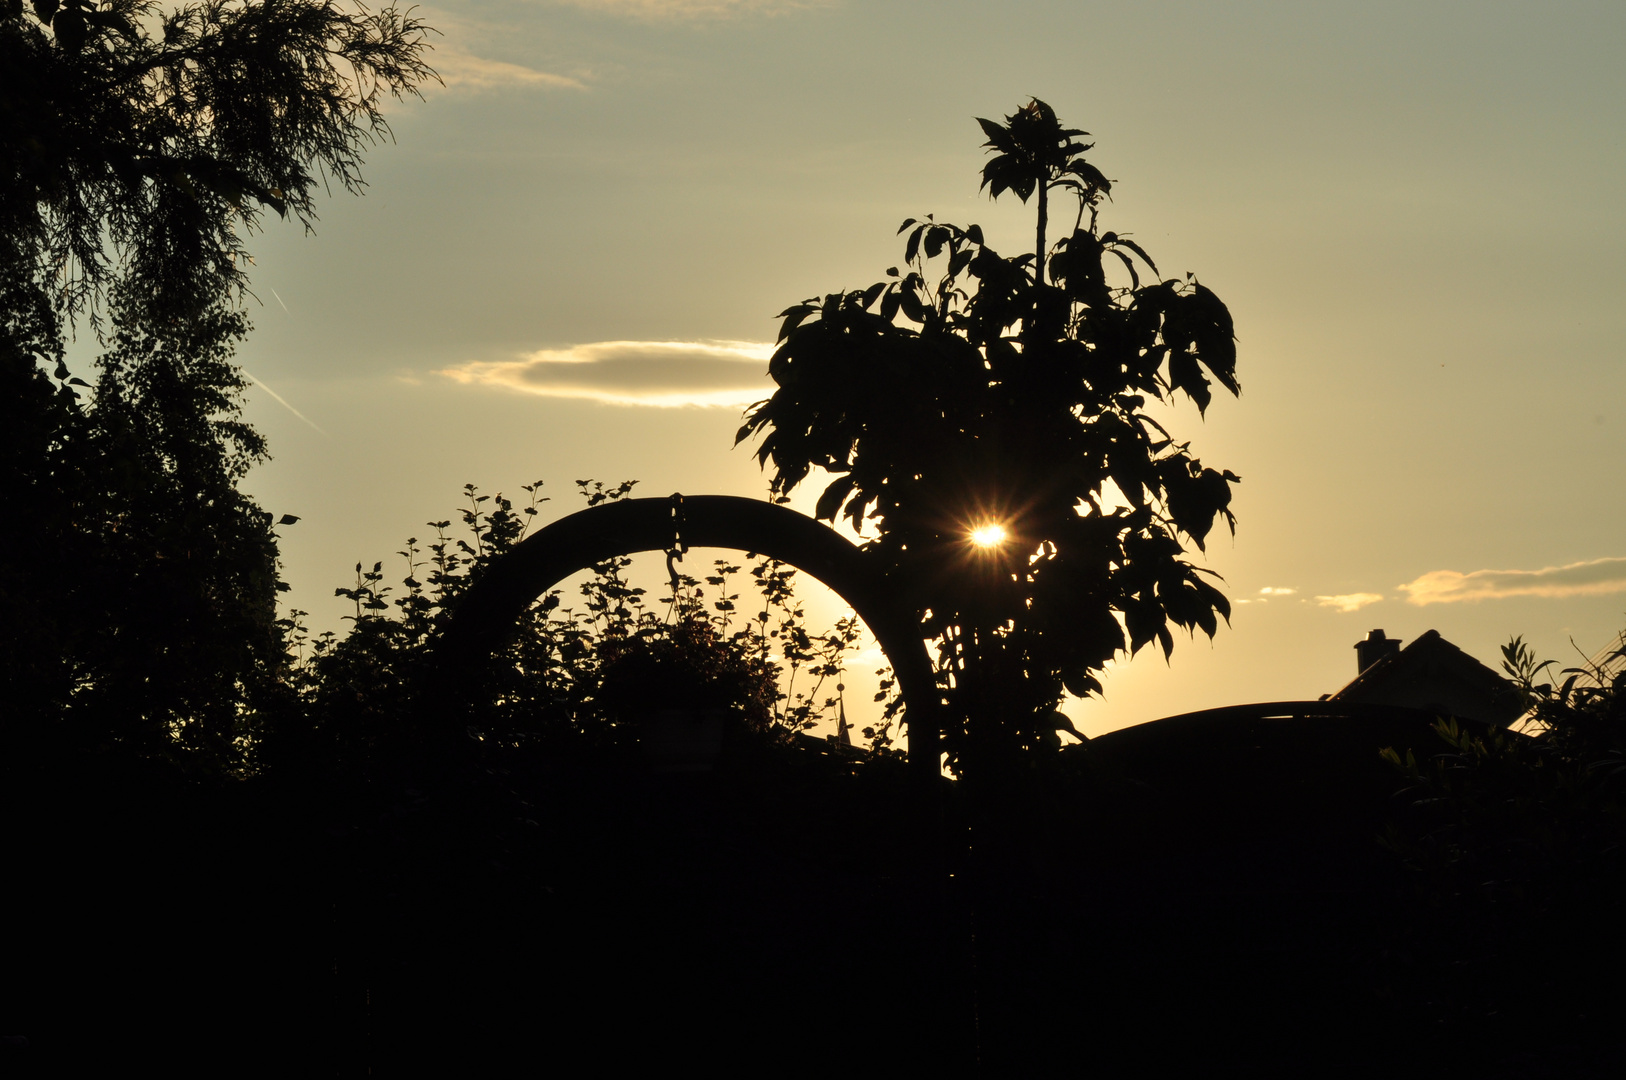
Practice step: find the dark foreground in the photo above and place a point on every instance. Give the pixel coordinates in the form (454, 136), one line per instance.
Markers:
(1194, 901)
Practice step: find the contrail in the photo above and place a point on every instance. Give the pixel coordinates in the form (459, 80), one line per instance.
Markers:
(290, 315)
(279, 397)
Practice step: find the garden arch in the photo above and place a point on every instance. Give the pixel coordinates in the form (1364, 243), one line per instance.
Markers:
(488, 611)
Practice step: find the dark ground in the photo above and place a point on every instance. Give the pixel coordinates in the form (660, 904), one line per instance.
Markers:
(1169, 901)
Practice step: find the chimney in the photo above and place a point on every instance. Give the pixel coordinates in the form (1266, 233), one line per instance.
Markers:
(1374, 648)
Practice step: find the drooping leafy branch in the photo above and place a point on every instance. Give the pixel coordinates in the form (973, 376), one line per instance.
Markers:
(976, 388)
(141, 144)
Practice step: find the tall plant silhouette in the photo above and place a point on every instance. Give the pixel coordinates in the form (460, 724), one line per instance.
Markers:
(973, 389)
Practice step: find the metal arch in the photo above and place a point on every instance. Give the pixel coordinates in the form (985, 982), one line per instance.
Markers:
(487, 612)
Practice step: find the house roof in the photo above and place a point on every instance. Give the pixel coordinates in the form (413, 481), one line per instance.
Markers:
(1434, 675)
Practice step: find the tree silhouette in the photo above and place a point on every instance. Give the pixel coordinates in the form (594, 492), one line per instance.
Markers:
(976, 390)
(138, 146)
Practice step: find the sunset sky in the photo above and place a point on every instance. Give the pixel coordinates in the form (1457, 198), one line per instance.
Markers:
(569, 262)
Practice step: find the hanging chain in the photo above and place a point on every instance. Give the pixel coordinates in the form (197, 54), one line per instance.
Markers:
(675, 550)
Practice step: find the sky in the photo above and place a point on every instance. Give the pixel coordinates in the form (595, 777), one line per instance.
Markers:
(569, 261)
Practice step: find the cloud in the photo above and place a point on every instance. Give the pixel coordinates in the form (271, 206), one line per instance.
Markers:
(1354, 601)
(461, 69)
(1593, 578)
(660, 373)
(1271, 590)
(695, 9)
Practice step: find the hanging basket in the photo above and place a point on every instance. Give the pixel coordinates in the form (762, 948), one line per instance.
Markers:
(681, 740)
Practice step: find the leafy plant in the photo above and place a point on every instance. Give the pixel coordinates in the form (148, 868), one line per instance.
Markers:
(1515, 841)
(575, 676)
(1517, 799)
(973, 390)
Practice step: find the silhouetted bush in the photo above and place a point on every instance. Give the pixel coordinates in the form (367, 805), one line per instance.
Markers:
(1515, 839)
(571, 678)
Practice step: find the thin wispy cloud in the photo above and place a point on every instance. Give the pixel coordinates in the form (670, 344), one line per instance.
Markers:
(1595, 577)
(696, 9)
(651, 373)
(461, 69)
(1354, 601)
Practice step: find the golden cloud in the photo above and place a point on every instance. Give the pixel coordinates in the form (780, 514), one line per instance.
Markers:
(1349, 601)
(458, 68)
(659, 373)
(691, 9)
(1592, 578)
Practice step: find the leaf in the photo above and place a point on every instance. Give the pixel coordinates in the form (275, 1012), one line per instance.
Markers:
(287, 519)
(1129, 264)
(1124, 241)
(830, 501)
(1063, 722)
(998, 136)
(912, 248)
(913, 309)
(1214, 335)
(1089, 174)
(1143, 620)
(1185, 375)
(112, 20)
(794, 317)
(890, 303)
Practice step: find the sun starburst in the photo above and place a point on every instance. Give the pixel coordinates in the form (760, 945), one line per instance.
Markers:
(990, 535)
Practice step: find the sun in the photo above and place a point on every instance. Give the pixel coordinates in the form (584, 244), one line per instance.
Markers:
(988, 535)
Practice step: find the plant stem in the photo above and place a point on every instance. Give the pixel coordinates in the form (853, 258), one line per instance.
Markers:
(1038, 242)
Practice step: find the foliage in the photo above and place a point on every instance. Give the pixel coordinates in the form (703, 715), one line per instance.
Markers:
(977, 388)
(140, 143)
(140, 584)
(137, 147)
(1515, 840)
(1526, 803)
(573, 678)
